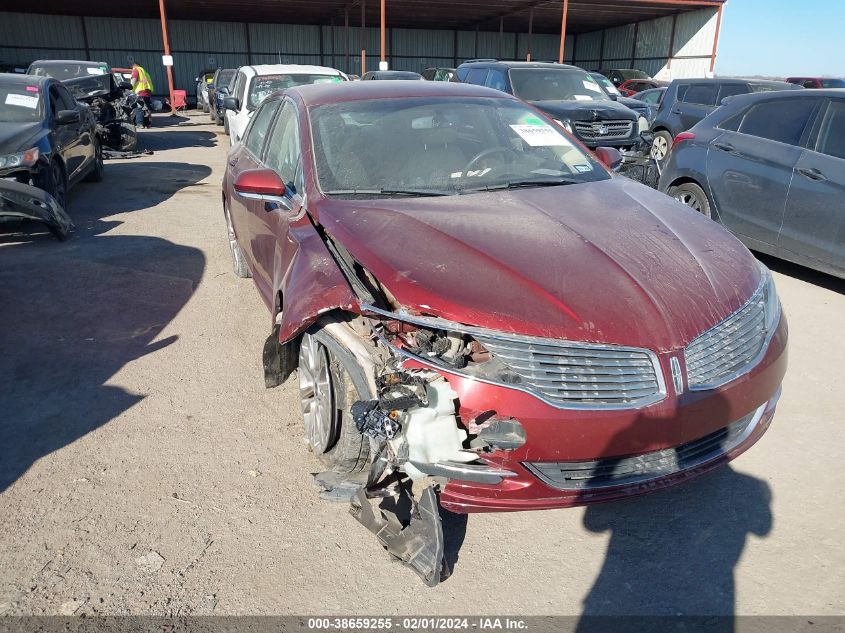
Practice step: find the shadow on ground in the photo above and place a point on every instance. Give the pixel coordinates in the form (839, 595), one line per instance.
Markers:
(673, 553)
(175, 139)
(73, 313)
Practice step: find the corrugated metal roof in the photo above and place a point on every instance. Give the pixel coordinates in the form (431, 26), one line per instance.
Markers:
(583, 16)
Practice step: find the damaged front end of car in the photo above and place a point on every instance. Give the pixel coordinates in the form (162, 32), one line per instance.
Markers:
(19, 200)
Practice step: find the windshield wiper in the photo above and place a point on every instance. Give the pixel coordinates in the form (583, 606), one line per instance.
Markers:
(524, 184)
(388, 192)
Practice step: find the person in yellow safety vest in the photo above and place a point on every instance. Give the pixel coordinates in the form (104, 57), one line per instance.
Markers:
(143, 86)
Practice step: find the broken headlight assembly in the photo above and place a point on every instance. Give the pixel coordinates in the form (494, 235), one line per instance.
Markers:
(20, 159)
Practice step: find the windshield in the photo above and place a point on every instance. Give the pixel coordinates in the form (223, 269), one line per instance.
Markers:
(67, 70)
(605, 83)
(263, 86)
(91, 86)
(20, 104)
(425, 146)
(833, 83)
(555, 84)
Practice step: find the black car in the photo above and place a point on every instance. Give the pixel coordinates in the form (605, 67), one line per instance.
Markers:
(688, 101)
(46, 137)
(391, 74)
(566, 93)
(770, 168)
(620, 75)
(438, 74)
(640, 107)
(219, 84)
(62, 69)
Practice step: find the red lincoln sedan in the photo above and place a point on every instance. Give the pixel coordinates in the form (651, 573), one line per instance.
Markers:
(472, 299)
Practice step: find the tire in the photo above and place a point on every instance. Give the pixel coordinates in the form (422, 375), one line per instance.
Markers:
(128, 137)
(239, 265)
(330, 380)
(54, 181)
(693, 196)
(662, 146)
(96, 174)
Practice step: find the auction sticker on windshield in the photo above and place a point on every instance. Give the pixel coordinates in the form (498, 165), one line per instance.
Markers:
(24, 101)
(540, 135)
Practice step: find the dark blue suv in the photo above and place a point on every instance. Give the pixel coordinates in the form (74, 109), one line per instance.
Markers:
(568, 94)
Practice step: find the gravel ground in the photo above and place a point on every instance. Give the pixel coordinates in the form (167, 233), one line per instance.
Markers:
(145, 469)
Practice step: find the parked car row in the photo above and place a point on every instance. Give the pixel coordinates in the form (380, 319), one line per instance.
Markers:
(48, 141)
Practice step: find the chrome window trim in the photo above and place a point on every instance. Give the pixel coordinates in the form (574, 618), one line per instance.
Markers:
(445, 324)
(764, 281)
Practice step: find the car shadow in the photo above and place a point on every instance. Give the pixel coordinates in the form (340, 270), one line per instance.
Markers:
(130, 185)
(73, 313)
(808, 275)
(673, 552)
(158, 141)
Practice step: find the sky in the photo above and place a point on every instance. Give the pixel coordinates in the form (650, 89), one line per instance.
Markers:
(782, 38)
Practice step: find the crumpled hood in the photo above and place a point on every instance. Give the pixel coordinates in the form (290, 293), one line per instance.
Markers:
(17, 137)
(609, 262)
(586, 110)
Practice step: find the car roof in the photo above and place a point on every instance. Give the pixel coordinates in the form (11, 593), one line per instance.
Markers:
(68, 61)
(273, 69)
(319, 94)
(508, 64)
(24, 80)
(735, 80)
(787, 94)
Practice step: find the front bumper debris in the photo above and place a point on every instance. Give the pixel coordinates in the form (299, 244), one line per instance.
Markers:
(18, 200)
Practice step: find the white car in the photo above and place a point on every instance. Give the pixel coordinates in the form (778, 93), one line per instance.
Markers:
(253, 84)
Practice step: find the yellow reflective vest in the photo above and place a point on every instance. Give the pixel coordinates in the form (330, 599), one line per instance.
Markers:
(144, 81)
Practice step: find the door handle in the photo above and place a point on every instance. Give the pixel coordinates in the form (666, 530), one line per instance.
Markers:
(675, 111)
(725, 147)
(812, 173)
(233, 162)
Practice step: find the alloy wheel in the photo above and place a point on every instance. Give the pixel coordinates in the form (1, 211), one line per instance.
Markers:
(316, 397)
(689, 199)
(659, 148)
(59, 186)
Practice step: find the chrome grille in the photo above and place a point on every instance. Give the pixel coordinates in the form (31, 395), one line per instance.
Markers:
(568, 375)
(603, 130)
(729, 347)
(611, 472)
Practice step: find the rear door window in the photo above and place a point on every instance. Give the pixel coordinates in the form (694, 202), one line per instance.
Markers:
(256, 134)
(701, 94)
(729, 90)
(783, 120)
(477, 76)
(832, 133)
(496, 79)
(283, 149)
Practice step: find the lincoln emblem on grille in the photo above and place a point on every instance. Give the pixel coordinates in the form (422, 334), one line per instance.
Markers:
(677, 378)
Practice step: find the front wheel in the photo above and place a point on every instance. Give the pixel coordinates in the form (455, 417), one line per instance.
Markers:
(693, 196)
(54, 181)
(661, 146)
(239, 265)
(330, 380)
(96, 173)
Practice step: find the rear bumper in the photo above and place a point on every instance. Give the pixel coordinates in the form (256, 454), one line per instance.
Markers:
(663, 444)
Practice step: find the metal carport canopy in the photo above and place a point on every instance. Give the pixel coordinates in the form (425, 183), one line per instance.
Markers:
(582, 16)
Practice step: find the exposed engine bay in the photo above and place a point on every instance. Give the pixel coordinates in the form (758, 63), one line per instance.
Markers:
(417, 440)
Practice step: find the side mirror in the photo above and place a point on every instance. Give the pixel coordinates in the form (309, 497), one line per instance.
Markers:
(613, 96)
(231, 103)
(610, 157)
(263, 185)
(124, 85)
(66, 117)
(647, 137)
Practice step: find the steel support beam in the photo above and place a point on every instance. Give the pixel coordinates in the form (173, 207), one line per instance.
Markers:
(530, 32)
(716, 38)
(383, 52)
(166, 42)
(563, 32)
(361, 35)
